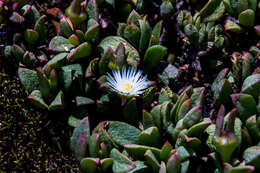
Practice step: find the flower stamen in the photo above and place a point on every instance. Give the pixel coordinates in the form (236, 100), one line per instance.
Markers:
(125, 87)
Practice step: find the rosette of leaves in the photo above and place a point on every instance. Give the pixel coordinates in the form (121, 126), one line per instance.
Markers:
(227, 141)
(26, 39)
(82, 23)
(223, 83)
(244, 14)
(235, 137)
(198, 33)
(176, 114)
(136, 38)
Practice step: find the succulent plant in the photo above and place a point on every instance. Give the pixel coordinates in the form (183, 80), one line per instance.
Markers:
(198, 33)
(136, 38)
(52, 80)
(243, 13)
(240, 76)
(151, 128)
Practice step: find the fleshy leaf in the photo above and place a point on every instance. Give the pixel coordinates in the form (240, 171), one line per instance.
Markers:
(60, 44)
(123, 133)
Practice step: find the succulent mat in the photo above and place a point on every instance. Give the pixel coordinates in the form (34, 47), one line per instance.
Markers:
(164, 86)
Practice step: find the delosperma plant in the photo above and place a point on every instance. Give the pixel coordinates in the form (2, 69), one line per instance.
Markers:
(116, 88)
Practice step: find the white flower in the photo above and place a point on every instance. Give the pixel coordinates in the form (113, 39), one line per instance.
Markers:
(129, 82)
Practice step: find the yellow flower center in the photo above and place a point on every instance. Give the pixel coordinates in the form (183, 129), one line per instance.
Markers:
(126, 87)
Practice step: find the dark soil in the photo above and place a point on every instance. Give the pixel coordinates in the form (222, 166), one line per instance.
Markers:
(29, 140)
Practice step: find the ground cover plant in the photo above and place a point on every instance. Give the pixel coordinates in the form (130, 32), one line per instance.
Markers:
(167, 86)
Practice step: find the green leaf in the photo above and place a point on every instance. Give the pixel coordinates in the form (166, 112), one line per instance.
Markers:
(246, 65)
(44, 84)
(156, 115)
(140, 167)
(247, 18)
(166, 151)
(70, 73)
(166, 8)
(222, 91)
(147, 120)
(82, 51)
(130, 111)
(173, 164)
(40, 28)
(197, 129)
(106, 163)
(184, 109)
(245, 104)
(89, 165)
(73, 121)
(81, 147)
(74, 40)
(183, 153)
(123, 133)
(83, 101)
(60, 44)
(120, 162)
(240, 169)
(66, 27)
(156, 33)
(58, 103)
(104, 61)
(57, 61)
(252, 156)
(169, 74)
(251, 85)
(92, 34)
(132, 34)
(146, 31)
(197, 97)
(37, 100)
(192, 33)
(252, 126)
(222, 74)
(192, 117)
(152, 56)
(212, 11)
(150, 137)
(185, 166)
(29, 79)
(83, 127)
(31, 36)
(210, 130)
(92, 10)
(138, 151)
(93, 144)
(232, 26)
(133, 17)
(152, 161)
(133, 58)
